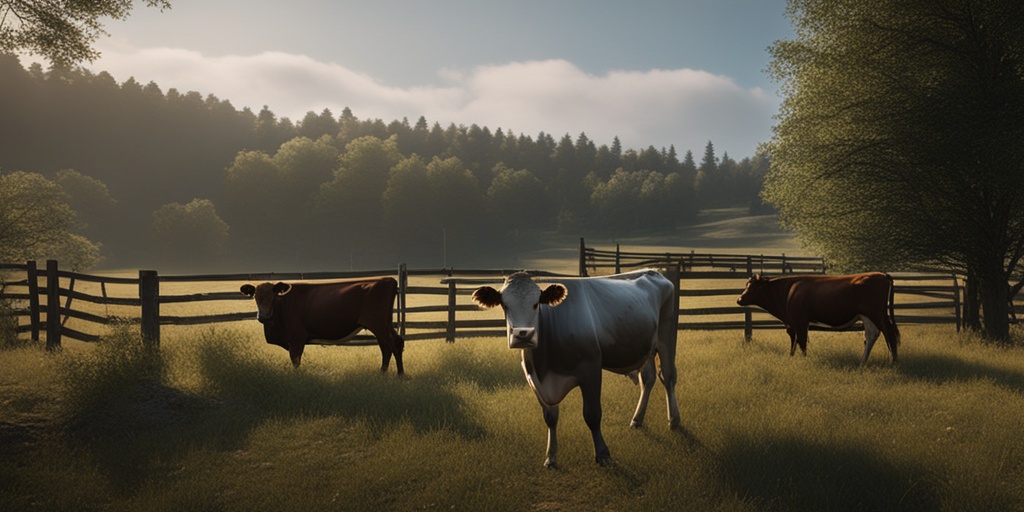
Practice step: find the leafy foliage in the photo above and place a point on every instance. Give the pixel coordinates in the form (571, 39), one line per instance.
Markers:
(62, 31)
(187, 233)
(899, 137)
(36, 222)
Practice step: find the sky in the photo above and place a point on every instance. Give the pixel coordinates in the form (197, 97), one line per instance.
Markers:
(652, 73)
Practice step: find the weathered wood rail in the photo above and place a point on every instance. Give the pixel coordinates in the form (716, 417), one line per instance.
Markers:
(431, 303)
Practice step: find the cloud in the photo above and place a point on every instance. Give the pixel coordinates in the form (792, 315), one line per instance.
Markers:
(681, 107)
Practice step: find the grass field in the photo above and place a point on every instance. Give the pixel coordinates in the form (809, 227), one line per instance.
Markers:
(218, 420)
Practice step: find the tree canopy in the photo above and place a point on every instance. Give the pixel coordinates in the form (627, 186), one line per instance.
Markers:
(899, 140)
(62, 31)
(36, 221)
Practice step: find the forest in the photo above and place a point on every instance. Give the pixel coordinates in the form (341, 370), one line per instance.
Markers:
(174, 180)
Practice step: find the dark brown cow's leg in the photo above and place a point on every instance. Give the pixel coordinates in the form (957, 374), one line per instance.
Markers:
(800, 338)
(385, 355)
(892, 337)
(792, 340)
(399, 345)
(295, 351)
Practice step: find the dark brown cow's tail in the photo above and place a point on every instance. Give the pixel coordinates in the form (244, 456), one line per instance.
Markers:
(892, 308)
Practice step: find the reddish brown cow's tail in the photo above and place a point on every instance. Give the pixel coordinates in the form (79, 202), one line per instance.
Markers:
(892, 308)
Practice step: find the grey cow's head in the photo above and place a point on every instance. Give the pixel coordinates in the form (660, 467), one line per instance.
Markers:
(521, 298)
(265, 293)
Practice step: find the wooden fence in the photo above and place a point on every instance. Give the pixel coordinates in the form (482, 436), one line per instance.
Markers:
(431, 303)
(438, 297)
(712, 282)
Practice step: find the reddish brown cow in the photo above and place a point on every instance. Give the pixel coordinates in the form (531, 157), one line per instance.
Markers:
(836, 301)
(293, 314)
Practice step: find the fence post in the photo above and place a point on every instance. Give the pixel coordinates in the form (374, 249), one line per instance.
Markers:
(32, 273)
(52, 306)
(149, 295)
(583, 258)
(956, 302)
(748, 321)
(450, 329)
(674, 275)
(403, 283)
(618, 260)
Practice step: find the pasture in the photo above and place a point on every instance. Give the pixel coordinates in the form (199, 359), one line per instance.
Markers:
(218, 420)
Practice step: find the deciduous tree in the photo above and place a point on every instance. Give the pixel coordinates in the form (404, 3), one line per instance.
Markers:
(899, 137)
(36, 222)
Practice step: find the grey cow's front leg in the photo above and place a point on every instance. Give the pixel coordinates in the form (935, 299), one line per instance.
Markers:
(551, 419)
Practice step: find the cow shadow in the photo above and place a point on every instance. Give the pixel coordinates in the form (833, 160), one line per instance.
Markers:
(132, 432)
(937, 369)
(941, 369)
(789, 473)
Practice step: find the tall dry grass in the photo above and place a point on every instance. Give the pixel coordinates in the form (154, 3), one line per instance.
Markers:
(218, 420)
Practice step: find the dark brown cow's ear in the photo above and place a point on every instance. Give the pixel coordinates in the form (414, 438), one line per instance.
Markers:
(553, 295)
(248, 289)
(282, 288)
(487, 297)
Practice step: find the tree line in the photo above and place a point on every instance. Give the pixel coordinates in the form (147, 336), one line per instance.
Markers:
(177, 178)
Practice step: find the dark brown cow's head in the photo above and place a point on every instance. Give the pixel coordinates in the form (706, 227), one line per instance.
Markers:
(521, 298)
(754, 291)
(265, 295)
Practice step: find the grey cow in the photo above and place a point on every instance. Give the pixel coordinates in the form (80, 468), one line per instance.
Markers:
(615, 323)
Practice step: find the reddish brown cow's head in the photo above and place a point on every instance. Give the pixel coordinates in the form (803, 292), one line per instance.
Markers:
(265, 295)
(753, 292)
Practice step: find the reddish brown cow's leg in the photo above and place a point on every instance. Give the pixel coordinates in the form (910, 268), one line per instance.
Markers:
(892, 337)
(399, 345)
(295, 351)
(391, 344)
(800, 338)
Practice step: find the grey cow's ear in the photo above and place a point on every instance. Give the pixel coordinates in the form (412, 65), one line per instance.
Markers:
(282, 288)
(553, 295)
(487, 297)
(248, 289)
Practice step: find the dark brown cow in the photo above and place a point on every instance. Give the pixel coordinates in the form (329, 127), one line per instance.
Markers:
(836, 301)
(292, 314)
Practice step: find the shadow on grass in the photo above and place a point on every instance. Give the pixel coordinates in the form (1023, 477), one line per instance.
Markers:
(943, 369)
(793, 474)
(938, 369)
(135, 432)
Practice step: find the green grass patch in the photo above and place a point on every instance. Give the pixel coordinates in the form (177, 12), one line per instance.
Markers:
(219, 420)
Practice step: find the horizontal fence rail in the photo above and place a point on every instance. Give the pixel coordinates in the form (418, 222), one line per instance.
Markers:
(710, 284)
(432, 304)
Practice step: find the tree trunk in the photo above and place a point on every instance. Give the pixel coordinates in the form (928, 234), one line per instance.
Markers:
(995, 304)
(972, 303)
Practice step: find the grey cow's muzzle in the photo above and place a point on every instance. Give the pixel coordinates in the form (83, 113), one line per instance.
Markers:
(522, 337)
